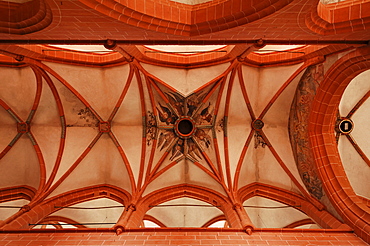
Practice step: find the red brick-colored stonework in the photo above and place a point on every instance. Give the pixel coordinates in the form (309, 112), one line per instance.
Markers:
(347, 16)
(44, 209)
(16, 192)
(344, 11)
(152, 22)
(24, 18)
(335, 36)
(121, 55)
(179, 236)
(186, 20)
(321, 124)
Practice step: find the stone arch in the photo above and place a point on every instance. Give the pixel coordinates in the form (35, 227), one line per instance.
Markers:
(32, 215)
(321, 129)
(185, 190)
(321, 217)
(24, 18)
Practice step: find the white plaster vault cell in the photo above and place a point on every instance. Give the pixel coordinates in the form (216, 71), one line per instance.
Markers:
(186, 80)
(358, 171)
(104, 165)
(277, 48)
(219, 224)
(7, 212)
(185, 49)
(331, 1)
(265, 213)
(191, 2)
(105, 215)
(150, 224)
(84, 48)
(184, 216)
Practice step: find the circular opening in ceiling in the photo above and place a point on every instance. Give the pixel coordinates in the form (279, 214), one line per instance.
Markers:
(185, 127)
(345, 126)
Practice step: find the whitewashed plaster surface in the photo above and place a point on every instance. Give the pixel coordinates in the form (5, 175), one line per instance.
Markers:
(186, 80)
(110, 215)
(278, 216)
(101, 87)
(184, 216)
(358, 172)
(6, 213)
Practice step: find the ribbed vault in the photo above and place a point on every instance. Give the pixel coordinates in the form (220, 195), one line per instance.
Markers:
(159, 133)
(265, 127)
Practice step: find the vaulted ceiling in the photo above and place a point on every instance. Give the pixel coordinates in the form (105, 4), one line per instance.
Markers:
(131, 114)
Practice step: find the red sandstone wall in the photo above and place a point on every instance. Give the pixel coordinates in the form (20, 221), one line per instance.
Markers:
(183, 238)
